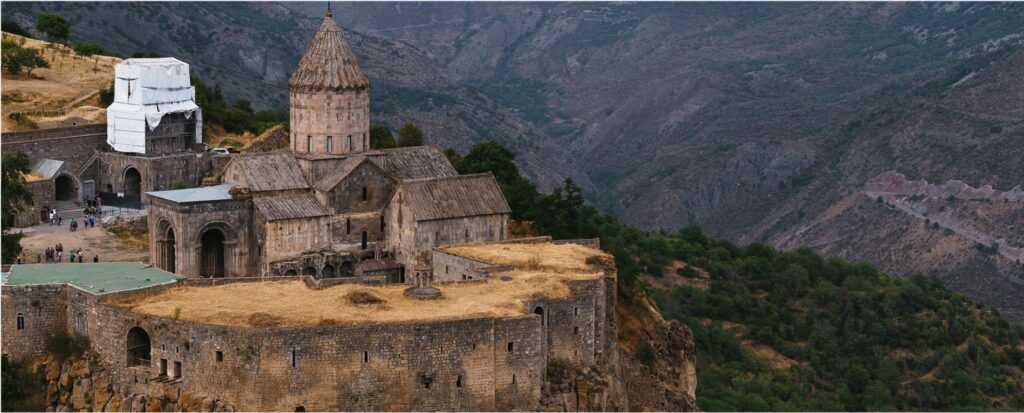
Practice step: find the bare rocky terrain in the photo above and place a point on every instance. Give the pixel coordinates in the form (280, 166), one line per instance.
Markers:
(758, 122)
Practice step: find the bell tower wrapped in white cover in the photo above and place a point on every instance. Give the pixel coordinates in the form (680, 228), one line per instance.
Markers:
(148, 92)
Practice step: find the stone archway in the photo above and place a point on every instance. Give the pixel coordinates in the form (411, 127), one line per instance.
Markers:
(169, 251)
(347, 269)
(327, 272)
(212, 253)
(215, 247)
(132, 182)
(309, 271)
(64, 188)
(138, 347)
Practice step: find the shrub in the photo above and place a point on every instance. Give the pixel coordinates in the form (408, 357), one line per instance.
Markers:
(645, 353)
(88, 49)
(64, 345)
(687, 271)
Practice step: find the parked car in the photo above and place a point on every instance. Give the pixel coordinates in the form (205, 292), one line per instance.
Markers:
(219, 151)
(232, 149)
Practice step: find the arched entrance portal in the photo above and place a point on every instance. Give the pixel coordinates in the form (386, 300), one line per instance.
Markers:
(211, 258)
(169, 251)
(132, 182)
(346, 269)
(64, 188)
(309, 271)
(327, 272)
(138, 347)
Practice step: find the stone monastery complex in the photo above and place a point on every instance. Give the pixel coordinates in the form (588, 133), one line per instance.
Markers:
(328, 276)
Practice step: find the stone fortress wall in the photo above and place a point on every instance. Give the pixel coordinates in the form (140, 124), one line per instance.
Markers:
(474, 363)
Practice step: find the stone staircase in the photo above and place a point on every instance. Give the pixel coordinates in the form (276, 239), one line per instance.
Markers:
(69, 209)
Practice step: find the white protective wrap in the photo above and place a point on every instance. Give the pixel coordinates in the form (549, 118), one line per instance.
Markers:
(144, 91)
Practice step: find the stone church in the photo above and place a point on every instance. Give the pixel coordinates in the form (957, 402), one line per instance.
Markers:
(329, 205)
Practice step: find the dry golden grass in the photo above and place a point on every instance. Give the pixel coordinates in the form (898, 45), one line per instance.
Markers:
(564, 259)
(292, 303)
(70, 76)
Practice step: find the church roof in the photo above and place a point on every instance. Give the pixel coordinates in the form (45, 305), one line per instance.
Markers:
(271, 171)
(344, 168)
(289, 207)
(415, 162)
(220, 192)
(329, 64)
(454, 197)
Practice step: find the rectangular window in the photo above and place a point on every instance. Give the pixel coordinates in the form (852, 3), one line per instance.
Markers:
(458, 381)
(513, 379)
(511, 346)
(330, 144)
(350, 143)
(366, 357)
(309, 144)
(575, 331)
(21, 321)
(177, 369)
(163, 367)
(293, 359)
(219, 356)
(366, 193)
(575, 311)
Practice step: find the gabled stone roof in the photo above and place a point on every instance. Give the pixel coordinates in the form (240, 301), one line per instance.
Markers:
(454, 197)
(415, 162)
(289, 207)
(271, 171)
(329, 64)
(344, 169)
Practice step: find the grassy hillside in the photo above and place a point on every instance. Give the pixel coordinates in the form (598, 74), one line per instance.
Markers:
(791, 330)
(68, 78)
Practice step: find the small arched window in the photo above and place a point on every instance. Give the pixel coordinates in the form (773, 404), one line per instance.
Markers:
(348, 226)
(366, 193)
(382, 223)
(364, 240)
(350, 143)
(309, 143)
(21, 321)
(330, 144)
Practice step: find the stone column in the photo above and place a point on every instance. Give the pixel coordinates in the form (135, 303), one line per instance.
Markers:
(231, 261)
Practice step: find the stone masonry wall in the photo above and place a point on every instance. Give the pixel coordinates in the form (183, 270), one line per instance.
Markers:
(73, 145)
(44, 311)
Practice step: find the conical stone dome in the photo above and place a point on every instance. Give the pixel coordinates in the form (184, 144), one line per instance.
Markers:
(329, 64)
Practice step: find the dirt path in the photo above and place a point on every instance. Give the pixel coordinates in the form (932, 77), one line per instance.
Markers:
(92, 241)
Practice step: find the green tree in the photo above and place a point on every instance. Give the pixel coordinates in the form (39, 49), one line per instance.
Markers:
(89, 48)
(55, 27)
(410, 135)
(381, 137)
(107, 95)
(15, 196)
(12, 27)
(17, 58)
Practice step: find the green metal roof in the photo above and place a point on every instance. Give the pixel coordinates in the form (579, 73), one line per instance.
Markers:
(96, 278)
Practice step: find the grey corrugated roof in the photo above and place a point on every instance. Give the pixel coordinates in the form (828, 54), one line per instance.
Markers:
(202, 194)
(456, 196)
(328, 63)
(289, 207)
(271, 171)
(46, 168)
(415, 162)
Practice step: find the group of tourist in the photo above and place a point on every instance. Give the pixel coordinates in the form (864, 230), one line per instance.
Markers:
(55, 218)
(56, 254)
